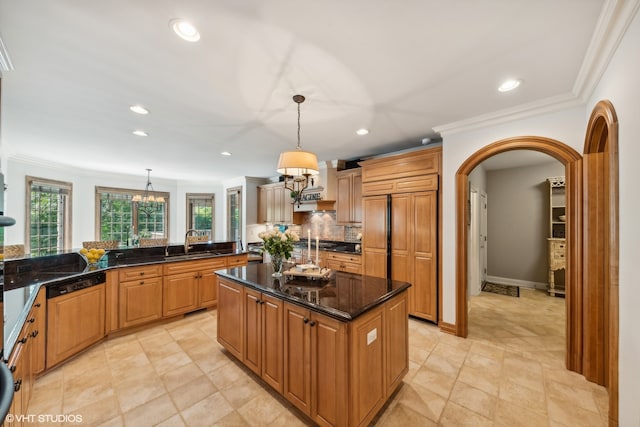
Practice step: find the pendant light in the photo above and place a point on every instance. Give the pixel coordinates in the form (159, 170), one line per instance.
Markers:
(297, 166)
(148, 198)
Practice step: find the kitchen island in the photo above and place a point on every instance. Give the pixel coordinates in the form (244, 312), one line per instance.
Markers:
(337, 349)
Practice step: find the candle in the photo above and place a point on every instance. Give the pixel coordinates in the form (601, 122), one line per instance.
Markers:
(317, 251)
(308, 244)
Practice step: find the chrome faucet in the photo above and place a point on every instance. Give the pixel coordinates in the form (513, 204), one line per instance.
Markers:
(186, 240)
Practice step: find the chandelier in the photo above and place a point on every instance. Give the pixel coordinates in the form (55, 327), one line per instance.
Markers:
(148, 202)
(297, 166)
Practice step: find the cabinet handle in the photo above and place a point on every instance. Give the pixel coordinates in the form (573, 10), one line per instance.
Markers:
(16, 385)
(142, 273)
(12, 368)
(313, 323)
(305, 320)
(33, 319)
(38, 304)
(34, 333)
(23, 340)
(257, 301)
(142, 282)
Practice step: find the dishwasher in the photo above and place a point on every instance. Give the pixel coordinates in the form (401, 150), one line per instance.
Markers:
(75, 315)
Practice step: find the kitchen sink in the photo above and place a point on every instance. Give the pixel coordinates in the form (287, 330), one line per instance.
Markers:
(194, 255)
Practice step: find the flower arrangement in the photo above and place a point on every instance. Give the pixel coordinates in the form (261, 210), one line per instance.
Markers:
(278, 243)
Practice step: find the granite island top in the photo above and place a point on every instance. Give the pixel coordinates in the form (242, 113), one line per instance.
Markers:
(343, 296)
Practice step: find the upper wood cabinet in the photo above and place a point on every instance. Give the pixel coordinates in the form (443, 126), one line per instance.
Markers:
(274, 204)
(349, 196)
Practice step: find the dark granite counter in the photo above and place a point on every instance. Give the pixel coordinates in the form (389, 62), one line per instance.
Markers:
(344, 296)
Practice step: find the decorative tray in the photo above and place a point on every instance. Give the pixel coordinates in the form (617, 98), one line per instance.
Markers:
(317, 273)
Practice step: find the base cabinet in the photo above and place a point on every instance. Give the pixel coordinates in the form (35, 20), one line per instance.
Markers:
(75, 321)
(337, 373)
(140, 299)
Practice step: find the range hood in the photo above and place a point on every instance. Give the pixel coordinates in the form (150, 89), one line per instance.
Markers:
(321, 195)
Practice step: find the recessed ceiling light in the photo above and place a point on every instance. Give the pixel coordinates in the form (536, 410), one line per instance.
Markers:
(225, 153)
(140, 133)
(510, 84)
(185, 29)
(362, 131)
(139, 109)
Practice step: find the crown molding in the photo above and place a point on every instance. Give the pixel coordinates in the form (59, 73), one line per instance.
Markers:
(615, 17)
(543, 106)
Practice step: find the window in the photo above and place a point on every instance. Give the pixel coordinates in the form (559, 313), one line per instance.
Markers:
(234, 213)
(119, 218)
(200, 213)
(48, 216)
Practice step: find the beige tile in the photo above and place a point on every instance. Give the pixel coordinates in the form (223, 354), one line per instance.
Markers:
(81, 391)
(443, 365)
(232, 420)
(570, 415)
(225, 376)
(100, 411)
(571, 395)
(509, 414)
(242, 391)
(136, 391)
(403, 416)
(474, 399)
(175, 421)
(192, 392)
(261, 410)
(181, 375)
(207, 411)
(455, 355)
(421, 400)
(523, 396)
(455, 415)
(481, 378)
(113, 422)
(435, 381)
(151, 413)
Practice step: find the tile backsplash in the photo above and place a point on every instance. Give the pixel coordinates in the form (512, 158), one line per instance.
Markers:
(323, 225)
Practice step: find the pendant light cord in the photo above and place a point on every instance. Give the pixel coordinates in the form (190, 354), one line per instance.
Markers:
(298, 147)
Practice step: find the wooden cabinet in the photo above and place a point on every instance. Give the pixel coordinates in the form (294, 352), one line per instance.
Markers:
(39, 329)
(396, 343)
(230, 326)
(315, 364)
(557, 233)
(75, 321)
(349, 196)
(263, 322)
(190, 285)
(347, 263)
(19, 364)
(140, 300)
(401, 224)
(235, 261)
(274, 204)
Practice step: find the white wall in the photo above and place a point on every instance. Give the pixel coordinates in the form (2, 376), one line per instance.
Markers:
(83, 210)
(620, 85)
(567, 126)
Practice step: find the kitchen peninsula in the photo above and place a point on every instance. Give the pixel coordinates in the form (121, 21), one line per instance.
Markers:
(337, 349)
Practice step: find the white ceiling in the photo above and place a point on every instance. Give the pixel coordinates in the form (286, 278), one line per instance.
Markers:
(397, 68)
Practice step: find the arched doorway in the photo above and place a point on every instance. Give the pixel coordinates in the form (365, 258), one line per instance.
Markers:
(600, 266)
(572, 161)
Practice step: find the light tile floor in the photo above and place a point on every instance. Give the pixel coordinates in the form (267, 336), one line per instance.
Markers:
(508, 372)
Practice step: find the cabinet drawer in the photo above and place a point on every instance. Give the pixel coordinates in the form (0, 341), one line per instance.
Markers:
(332, 256)
(200, 265)
(236, 260)
(401, 185)
(133, 273)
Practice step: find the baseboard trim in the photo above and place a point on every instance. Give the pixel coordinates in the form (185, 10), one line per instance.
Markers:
(448, 328)
(517, 282)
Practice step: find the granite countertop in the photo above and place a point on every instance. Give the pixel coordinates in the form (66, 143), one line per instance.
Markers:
(344, 296)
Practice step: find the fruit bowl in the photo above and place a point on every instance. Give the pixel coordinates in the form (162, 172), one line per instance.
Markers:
(92, 256)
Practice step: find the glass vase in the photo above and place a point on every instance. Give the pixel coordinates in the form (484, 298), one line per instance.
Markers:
(276, 263)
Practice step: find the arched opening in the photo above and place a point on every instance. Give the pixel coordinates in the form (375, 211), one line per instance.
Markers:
(600, 266)
(572, 161)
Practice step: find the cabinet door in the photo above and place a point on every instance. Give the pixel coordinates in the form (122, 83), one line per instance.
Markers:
(278, 204)
(180, 293)
(425, 283)
(374, 243)
(297, 352)
(356, 197)
(231, 317)
(343, 198)
(262, 205)
(328, 370)
(401, 240)
(286, 208)
(396, 342)
(16, 365)
(269, 197)
(272, 342)
(252, 352)
(74, 322)
(140, 301)
(207, 289)
(39, 331)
